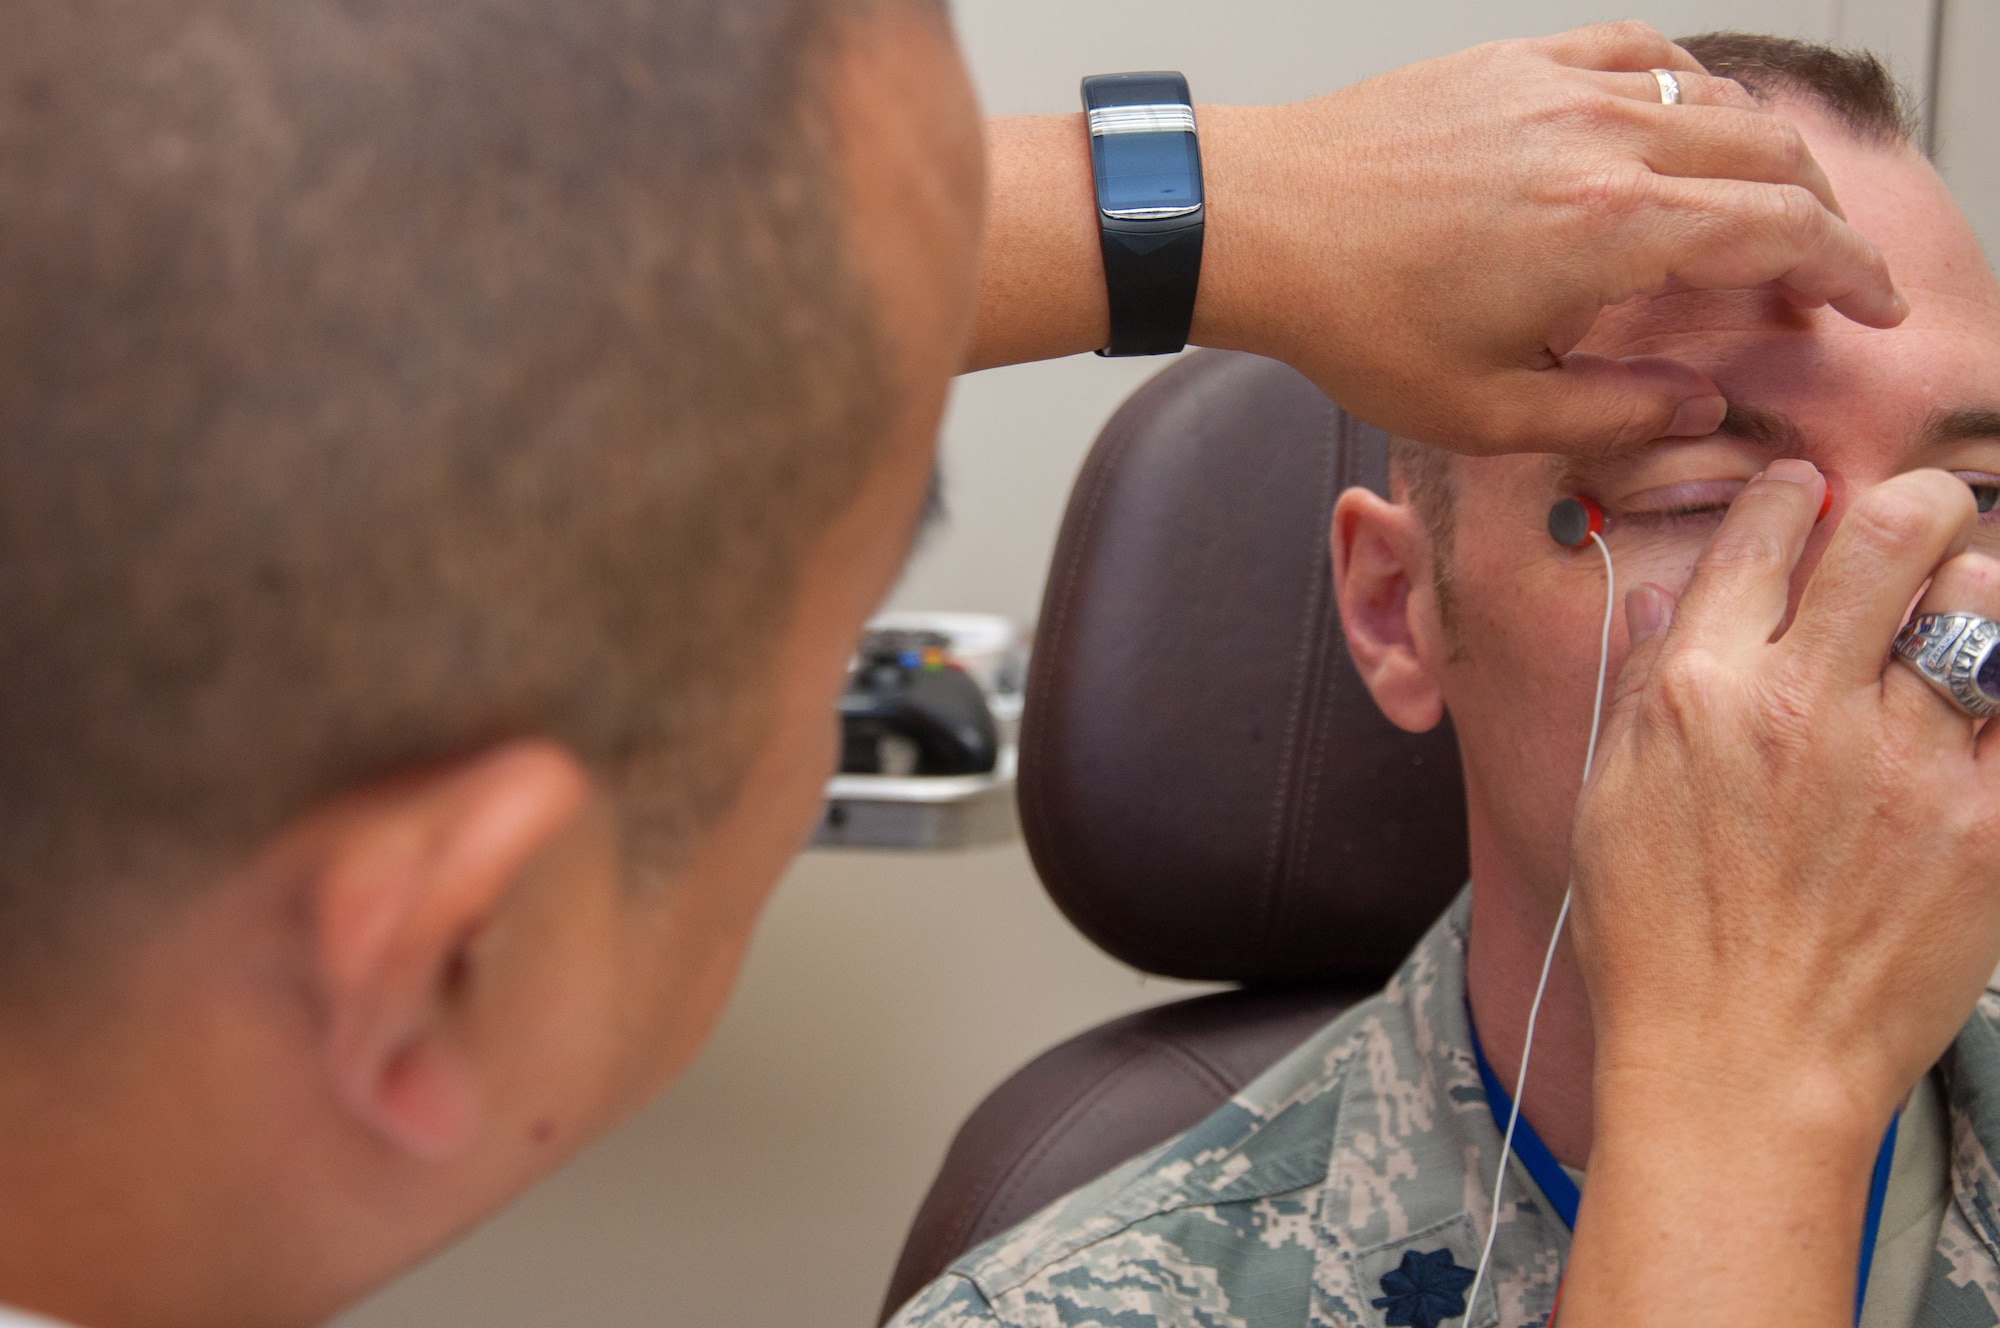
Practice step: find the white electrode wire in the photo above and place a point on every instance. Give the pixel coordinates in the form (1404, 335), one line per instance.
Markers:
(1549, 956)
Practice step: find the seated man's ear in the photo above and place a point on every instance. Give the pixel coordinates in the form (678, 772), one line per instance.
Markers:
(1388, 606)
(402, 881)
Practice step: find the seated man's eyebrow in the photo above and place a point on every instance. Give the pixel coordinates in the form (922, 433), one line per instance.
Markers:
(1957, 426)
(1762, 428)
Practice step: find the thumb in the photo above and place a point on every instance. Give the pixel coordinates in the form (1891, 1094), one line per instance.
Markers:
(1588, 404)
(1649, 613)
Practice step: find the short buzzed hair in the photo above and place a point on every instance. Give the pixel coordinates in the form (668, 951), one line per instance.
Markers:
(379, 381)
(1855, 87)
(1852, 86)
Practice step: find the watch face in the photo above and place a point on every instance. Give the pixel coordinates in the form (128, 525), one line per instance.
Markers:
(1142, 175)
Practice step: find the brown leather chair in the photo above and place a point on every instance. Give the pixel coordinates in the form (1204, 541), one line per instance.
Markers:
(1207, 789)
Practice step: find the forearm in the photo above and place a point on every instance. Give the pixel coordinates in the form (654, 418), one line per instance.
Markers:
(1041, 279)
(1041, 275)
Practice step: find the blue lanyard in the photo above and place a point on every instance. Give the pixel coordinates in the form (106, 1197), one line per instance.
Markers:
(1563, 1196)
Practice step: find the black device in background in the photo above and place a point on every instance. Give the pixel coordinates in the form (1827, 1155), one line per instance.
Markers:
(908, 710)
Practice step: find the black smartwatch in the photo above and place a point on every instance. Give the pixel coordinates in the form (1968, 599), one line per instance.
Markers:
(1149, 207)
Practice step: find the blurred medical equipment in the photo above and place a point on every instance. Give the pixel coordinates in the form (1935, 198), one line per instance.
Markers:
(928, 727)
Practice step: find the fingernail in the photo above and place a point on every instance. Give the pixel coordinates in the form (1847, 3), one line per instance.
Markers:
(1791, 470)
(1648, 610)
(1697, 417)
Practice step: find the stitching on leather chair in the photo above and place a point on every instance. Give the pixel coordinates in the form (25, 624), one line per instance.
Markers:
(995, 1184)
(1097, 475)
(1028, 1158)
(1319, 652)
(1217, 1076)
(1285, 829)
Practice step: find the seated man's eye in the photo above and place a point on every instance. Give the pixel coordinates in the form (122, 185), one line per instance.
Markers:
(1692, 501)
(1985, 489)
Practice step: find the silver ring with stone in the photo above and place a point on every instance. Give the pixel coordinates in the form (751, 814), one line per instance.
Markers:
(1670, 86)
(1954, 653)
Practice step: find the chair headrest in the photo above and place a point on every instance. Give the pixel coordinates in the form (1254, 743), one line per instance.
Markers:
(1207, 789)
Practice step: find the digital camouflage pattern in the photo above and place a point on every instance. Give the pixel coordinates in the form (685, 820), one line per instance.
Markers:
(1370, 1142)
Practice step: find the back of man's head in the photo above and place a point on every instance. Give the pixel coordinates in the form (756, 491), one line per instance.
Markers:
(380, 380)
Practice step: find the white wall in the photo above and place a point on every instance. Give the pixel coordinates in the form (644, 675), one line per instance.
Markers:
(885, 994)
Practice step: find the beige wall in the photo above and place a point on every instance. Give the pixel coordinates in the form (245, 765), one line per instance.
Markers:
(1968, 112)
(886, 994)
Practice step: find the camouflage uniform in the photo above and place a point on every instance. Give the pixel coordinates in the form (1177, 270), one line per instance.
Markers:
(1359, 1156)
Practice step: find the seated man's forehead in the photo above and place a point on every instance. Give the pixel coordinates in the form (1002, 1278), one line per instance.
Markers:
(1646, 324)
(1960, 297)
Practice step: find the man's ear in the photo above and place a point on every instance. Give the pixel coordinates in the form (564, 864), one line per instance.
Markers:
(400, 881)
(1381, 554)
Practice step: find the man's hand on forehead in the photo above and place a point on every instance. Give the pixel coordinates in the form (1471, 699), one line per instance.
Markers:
(1431, 247)
(1474, 214)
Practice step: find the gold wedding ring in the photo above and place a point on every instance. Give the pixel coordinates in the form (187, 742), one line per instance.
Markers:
(1670, 87)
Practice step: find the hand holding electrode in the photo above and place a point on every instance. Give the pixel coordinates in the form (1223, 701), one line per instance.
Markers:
(1785, 901)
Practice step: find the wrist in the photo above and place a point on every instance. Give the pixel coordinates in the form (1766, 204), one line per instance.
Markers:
(1746, 1051)
(1697, 1194)
(1698, 1098)
(1232, 305)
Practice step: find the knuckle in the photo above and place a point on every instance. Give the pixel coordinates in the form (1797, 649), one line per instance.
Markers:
(1634, 32)
(1952, 814)
(1747, 548)
(1893, 516)
(1782, 145)
(1728, 92)
(1878, 266)
(1637, 419)
(1938, 491)
(1686, 686)
(1577, 109)
(1616, 193)
(1796, 210)
(1970, 580)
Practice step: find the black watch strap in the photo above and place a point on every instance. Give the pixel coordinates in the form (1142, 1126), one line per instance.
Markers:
(1147, 164)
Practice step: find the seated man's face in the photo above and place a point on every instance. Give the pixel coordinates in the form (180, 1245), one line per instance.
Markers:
(1507, 638)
